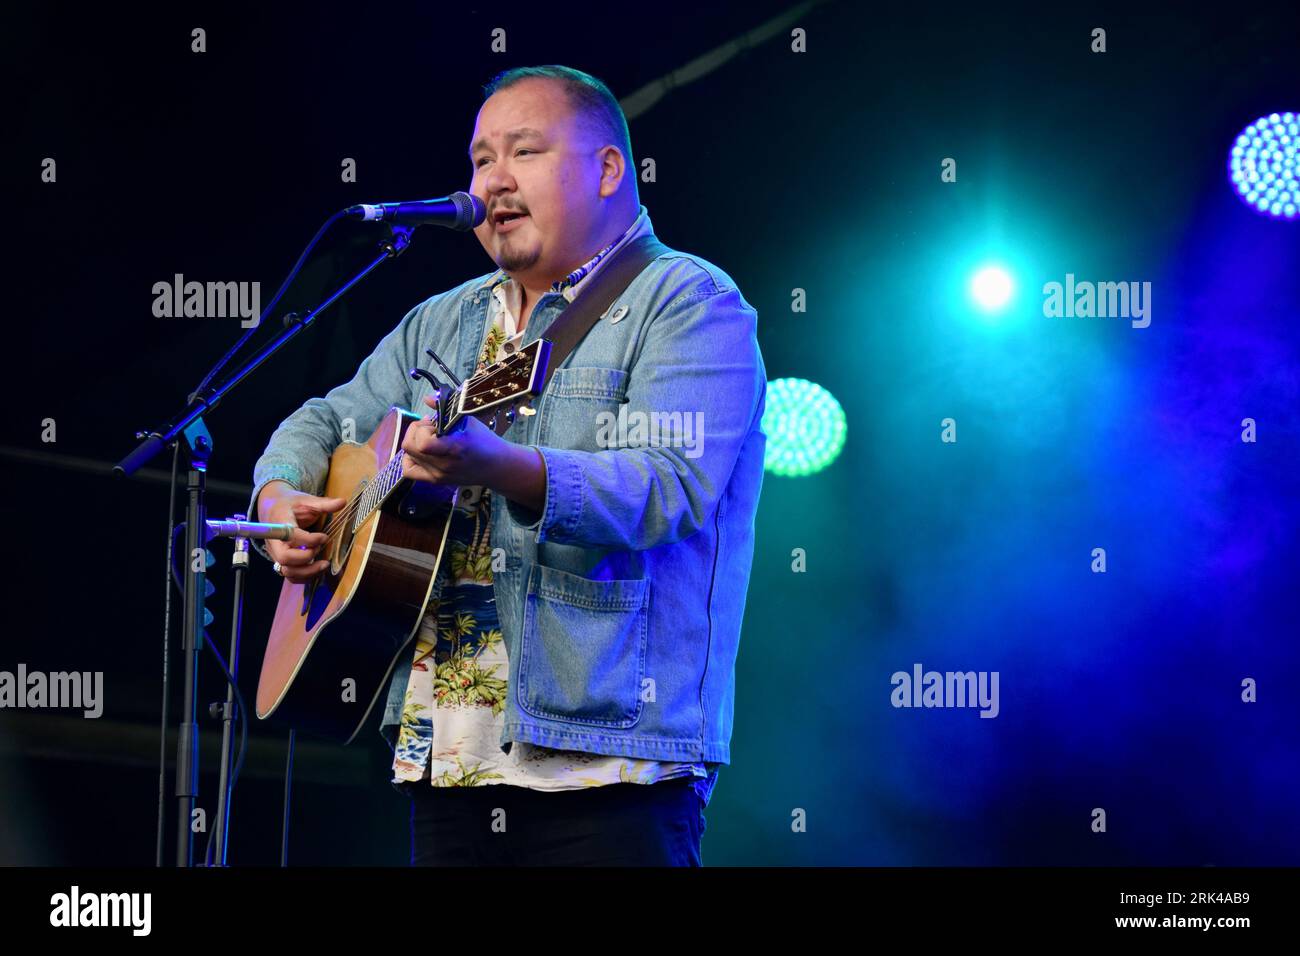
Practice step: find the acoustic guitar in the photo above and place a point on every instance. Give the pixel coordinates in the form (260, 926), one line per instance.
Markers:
(335, 639)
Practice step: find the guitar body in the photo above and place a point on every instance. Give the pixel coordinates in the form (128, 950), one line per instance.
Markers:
(354, 620)
(335, 640)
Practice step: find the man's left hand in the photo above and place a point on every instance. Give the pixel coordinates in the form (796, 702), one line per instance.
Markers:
(472, 455)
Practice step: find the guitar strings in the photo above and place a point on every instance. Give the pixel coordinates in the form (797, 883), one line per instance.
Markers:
(340, 518)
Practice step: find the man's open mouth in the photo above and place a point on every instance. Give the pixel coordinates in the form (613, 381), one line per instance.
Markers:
(504, 221)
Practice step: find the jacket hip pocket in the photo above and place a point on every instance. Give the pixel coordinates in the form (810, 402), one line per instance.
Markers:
(583, 648)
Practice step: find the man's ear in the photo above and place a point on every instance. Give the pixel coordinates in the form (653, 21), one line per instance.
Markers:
(612, 170)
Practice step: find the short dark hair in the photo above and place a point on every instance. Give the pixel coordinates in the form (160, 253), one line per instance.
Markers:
(590, 99)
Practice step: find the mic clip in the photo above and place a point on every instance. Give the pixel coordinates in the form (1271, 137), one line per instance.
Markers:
(398, 240)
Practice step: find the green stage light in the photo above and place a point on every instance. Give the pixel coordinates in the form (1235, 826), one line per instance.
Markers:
(805, 427)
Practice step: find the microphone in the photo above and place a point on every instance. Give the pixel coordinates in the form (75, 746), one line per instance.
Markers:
(459, 211)
(233, 528)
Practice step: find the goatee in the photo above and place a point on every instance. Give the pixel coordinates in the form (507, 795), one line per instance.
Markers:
(512, 260)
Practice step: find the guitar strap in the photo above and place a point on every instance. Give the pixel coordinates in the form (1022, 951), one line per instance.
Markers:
(607, 283)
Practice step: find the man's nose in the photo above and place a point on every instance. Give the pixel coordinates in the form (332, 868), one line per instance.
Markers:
(498, 180)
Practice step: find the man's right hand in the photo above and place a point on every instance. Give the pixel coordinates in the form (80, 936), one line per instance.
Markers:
(281, 503)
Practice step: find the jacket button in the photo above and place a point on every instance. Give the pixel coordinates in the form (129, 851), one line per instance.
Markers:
(618, 314)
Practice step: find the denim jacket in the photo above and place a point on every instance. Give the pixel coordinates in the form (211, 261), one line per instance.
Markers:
(621, 601)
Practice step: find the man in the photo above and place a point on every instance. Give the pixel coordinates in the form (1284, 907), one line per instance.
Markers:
(569, 695)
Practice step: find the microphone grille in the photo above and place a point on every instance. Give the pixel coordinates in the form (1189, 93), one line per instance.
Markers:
(470, 211)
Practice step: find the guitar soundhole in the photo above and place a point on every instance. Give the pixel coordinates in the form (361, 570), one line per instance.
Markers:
(341, 546)
(341, 549)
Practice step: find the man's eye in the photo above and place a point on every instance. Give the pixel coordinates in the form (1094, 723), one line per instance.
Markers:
(484, 159)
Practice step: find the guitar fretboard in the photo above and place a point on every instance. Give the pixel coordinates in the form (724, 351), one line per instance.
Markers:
(377, 490)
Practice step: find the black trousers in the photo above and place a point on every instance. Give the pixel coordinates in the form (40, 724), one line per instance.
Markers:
(619, 824)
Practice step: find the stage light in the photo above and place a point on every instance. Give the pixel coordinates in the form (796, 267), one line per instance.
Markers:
(991, 288)
(1265, 165)
(805, 427)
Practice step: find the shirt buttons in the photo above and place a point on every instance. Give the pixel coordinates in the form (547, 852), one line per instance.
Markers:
(618, 314)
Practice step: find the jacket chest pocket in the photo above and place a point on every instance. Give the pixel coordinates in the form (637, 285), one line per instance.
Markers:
(583, 648)
(579, 406)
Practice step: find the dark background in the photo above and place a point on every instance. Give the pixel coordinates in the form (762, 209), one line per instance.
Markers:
(819, 171)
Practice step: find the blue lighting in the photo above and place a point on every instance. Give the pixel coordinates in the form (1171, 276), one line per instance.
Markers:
(991, 288)
(1265, 165)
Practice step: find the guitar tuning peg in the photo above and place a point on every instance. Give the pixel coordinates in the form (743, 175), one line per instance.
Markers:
(492, 422)
(527, 410)
(510, 416)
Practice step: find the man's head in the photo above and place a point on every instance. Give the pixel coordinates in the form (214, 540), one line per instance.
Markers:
(552, 144)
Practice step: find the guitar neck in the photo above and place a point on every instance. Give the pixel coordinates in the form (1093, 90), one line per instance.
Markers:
(379, 488)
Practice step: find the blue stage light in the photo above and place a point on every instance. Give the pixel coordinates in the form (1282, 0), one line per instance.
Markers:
(1265, 165)
(991, 288)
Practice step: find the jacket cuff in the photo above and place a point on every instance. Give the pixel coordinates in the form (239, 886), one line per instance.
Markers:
(562, 511)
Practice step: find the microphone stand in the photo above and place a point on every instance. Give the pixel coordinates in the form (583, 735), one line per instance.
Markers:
(239, 565)
(198, 448)
(242, 531)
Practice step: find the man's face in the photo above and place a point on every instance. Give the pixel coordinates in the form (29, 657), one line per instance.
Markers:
(531, 156)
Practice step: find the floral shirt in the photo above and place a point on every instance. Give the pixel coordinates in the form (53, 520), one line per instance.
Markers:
(453, 715)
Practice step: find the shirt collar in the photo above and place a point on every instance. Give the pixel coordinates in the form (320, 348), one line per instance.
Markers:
(568, 286)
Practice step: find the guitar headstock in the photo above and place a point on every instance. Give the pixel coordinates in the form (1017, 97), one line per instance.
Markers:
(504, 386)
